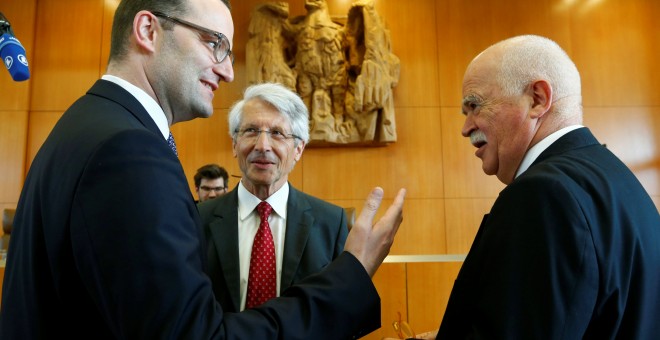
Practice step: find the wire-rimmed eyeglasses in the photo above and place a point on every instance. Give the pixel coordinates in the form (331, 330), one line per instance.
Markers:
(221, 46)
(251, 135)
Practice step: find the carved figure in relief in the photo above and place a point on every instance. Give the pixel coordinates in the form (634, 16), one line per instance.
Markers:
(344, 73)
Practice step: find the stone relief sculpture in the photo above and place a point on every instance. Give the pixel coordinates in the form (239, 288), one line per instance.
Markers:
(344, 72)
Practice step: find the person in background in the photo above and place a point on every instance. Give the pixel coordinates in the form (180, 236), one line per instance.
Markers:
(571, 246)
(269, 128)
(108, 242)
(211, 181)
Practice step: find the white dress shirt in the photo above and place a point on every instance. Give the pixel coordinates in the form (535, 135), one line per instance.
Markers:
(537, 149)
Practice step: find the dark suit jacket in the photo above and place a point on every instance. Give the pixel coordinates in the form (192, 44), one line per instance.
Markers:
(315, 235)
(108, 244)
(570, 250)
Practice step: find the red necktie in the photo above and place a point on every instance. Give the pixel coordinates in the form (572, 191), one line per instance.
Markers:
(262, 280)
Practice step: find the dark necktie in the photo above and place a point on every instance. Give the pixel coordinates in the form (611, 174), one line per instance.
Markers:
(170, 142)
(262, 280)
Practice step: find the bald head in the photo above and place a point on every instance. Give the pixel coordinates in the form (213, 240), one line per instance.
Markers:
(521, 60)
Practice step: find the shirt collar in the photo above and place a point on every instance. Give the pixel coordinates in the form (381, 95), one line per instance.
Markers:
(155, 111)
(536, 150)
(247, 202)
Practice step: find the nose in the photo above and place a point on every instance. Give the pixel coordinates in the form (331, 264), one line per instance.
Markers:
(263, 142)
(212, 194)
(225, 70)
(468, 126)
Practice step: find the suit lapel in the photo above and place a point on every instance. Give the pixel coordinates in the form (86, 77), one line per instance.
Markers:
(299, 222)
(224, 234)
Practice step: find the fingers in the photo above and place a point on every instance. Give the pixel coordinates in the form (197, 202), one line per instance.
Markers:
(370, 208)
(395, 211)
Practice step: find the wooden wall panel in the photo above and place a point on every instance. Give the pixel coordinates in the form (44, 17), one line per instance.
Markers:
(467, 27)
(632, 134)
(414, 41)
(413, 162)
(67, 52)
(429, 286)
(616, 45)
(13, 135)
(423, 230)
(390, 281)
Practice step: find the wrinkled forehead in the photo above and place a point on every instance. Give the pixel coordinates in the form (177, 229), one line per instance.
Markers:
(482, 71)
(262, 114)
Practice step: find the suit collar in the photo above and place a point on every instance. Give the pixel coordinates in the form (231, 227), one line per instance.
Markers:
(149, 103)
(119, 95)
(573, 140)
(538, 148)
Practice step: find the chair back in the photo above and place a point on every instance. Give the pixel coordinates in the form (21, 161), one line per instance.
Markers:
(350, 214)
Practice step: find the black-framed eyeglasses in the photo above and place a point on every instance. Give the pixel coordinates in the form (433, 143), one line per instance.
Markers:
(216, 189)
(221, 46)
(251, 135)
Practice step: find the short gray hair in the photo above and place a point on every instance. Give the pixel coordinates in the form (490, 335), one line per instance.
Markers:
(530, 57)
(287, 103)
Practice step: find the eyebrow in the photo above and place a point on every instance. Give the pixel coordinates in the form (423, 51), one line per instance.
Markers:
(469, 99)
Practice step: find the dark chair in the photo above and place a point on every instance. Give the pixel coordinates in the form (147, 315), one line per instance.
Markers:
(7, 225)
(350, 214)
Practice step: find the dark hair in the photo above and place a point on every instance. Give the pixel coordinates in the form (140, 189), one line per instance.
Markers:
(211, 171)
(123, 20)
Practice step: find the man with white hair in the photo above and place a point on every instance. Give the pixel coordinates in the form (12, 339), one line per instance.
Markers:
(571, 247)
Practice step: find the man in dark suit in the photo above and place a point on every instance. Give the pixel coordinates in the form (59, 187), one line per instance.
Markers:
(307, 232)
(107, 241)
(571, 247)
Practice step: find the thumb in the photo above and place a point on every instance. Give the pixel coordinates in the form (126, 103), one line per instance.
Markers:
(370, 208)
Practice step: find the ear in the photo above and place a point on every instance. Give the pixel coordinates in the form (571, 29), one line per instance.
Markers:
(299, 150)
(145, 30)
(233, 147)
(541, 92)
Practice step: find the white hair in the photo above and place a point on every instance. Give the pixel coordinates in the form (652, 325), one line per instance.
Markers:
(528, 58)
(287, 103)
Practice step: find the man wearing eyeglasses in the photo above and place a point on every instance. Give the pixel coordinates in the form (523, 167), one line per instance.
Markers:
(211, 181)
(269, 129)
(107, 240)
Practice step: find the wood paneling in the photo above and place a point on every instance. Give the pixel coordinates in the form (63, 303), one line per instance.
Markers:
(13, 135)
(390, 281)
(67, 52)
(616, 46)
(413, 162)
(429, 286)
(631, 133)
(466, 27)
(614, 43)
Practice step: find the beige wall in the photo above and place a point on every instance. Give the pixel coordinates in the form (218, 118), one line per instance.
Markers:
(615, 44)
